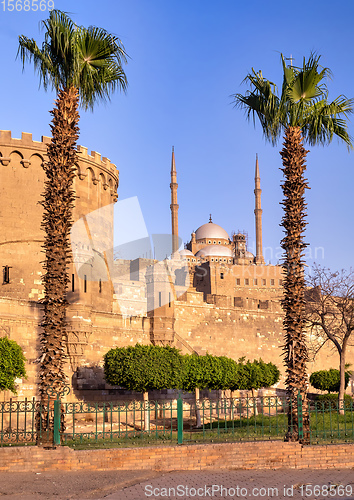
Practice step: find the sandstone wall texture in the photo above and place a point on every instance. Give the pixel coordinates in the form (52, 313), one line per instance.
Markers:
(260, 455)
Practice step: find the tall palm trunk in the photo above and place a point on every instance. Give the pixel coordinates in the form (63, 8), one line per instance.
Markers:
(294, 156)
(57, 221)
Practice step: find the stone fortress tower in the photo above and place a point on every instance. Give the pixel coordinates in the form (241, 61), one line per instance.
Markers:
(22, 182)
(222, 299)
(21, 255)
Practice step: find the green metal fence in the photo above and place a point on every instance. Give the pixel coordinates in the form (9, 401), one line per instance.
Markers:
(18, 421)
(82, 424)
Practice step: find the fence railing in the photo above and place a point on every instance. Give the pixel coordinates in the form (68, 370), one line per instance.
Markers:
(179, 421)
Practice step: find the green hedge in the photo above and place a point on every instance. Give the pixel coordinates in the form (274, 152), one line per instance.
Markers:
(221, 372)
(327, 401)
(327, 380)
(12, 364)
(256, 375)
(144, 367)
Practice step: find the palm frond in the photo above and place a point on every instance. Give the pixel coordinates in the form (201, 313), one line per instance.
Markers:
(302, 103)
(90, 59)
(100, 58)
(323, 121)
(28, 51)
(261, 102)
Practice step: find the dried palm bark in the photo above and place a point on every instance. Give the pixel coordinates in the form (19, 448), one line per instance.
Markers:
(57, 221)
(295, 351)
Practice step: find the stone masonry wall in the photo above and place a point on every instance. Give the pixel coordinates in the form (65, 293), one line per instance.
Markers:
(260, 455)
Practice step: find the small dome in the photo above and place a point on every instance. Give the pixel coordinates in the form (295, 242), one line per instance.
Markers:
(249, 255)
(211, 230)
(214, 251)
(186, 252)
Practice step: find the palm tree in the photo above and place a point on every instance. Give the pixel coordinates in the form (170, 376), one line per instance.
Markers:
(301, 112)
(83, 65)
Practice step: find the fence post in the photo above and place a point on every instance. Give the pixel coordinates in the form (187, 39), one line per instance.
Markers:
(56, 423)
(180, 420)
(299, 416)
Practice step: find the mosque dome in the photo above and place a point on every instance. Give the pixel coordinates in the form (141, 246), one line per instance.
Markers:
(214, 250)
(211, 230)
(186, 253)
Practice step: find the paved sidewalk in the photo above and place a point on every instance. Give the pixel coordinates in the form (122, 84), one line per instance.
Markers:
(243, 484)
(141, 485)
(68, 485)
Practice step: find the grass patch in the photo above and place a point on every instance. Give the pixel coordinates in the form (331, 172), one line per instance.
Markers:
(326, 427)
(326, 424)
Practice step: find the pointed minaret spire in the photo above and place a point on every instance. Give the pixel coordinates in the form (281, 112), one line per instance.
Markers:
(258, 215)
(174, 205)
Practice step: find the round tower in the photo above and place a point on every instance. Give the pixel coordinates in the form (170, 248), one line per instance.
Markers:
(21, 187)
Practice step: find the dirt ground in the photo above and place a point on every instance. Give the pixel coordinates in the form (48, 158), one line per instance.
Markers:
(68, 485)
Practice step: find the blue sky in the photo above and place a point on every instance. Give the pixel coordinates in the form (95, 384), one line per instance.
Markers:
(187, 58)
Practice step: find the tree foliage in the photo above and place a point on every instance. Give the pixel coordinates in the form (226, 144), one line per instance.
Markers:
(328, 380)
(301, 103)
(330, 314)
(256, 375)
(144, 367)
(12, 364)
(223, 373)
(88, 59)
(196, 372)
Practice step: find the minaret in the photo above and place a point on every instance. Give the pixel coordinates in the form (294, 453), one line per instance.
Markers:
(174, 204)
(258, 215)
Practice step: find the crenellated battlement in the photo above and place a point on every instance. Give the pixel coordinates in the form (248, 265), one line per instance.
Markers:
(99, 169)
(95, 157)
(26, 140)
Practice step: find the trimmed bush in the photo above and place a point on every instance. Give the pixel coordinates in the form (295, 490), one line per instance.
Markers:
(209, 372)
(144, 367)
(327, 401)
(222, 373)
(12, 364)
(196, 372)
(256, 375)
(327, 380)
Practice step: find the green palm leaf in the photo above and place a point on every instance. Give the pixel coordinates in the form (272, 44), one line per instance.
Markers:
(90, 59)
(302, 103)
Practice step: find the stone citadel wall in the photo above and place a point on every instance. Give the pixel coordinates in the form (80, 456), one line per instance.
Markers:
(222, 313)
(92, 326)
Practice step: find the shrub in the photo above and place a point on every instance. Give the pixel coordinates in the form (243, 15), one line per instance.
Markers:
(256, 374)
(144, 367)
(196, 372)
(327, 401)
(209, 372)
(222, 372)
(327, 380)
(12, 364)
